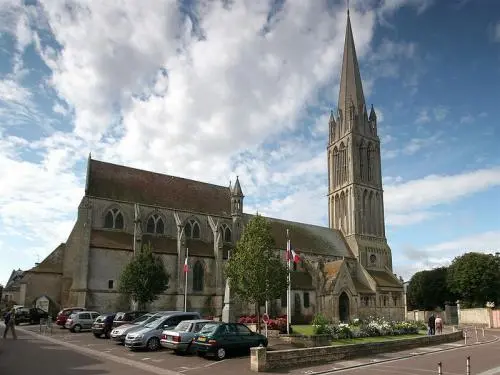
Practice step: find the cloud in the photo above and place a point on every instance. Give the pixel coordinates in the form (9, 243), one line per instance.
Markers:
(467, 119)
(423, 117)
(409, 202)
(438, 113)
(412, 146)
(443, 253)
(496, 32)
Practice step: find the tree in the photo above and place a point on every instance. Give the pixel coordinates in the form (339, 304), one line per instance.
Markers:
(475, 278)
(144, 277)
(255, 270)
(429, 289)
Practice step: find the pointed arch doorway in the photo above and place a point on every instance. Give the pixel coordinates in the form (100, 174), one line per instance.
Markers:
(344, 308)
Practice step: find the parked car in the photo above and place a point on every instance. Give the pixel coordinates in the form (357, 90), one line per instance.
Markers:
(119, 333)
(29, 315)
(81, 320)
(103, 325)
(127, 317)
(179, 339)
(148, 336)
(64, 314)
(218, 339)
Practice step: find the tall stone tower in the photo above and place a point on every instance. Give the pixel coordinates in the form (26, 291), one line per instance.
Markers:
(355, 195)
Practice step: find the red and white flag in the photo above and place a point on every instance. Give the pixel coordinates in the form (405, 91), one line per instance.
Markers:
(295, 256)
(186, 267)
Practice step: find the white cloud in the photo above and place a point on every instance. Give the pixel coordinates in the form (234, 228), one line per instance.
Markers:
(438, 113)
(496, 32)
(466, 119)
(423, 117)
(443, 253)
(413, 198)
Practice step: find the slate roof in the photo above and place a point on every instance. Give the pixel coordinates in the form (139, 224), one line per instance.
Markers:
(117, 182)
(307, 238)
(384, 279)
(15, 276)
(301, 281)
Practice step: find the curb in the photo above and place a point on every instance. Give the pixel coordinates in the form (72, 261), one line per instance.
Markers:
(496, 338)
(106, 356)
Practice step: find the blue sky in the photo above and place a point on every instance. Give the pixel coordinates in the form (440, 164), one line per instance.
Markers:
(208, 92)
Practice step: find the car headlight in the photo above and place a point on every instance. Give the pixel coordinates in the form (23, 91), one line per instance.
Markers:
(140, 336)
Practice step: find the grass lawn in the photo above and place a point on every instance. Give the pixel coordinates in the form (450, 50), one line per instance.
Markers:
(308, 331)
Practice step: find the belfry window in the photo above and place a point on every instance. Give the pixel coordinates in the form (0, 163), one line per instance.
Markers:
(155, 225)
(192, 229)
(114, 219)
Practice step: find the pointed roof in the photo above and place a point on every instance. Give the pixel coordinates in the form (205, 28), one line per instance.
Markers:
(237, 188)
(351, 88)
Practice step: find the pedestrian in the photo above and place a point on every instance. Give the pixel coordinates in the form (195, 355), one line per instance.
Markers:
(10, 323)
(439, 325)
(432, 324)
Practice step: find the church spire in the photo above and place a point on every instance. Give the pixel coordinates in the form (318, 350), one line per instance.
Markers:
(351, 89)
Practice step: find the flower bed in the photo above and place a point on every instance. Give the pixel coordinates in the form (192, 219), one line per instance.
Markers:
(277, 323)
(370, 327)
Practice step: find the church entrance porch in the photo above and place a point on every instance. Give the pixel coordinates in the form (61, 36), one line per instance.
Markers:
(344, 308)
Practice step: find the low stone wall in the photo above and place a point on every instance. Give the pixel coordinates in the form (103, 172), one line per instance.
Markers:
(302, 341)
(481, 317)
(263, 360)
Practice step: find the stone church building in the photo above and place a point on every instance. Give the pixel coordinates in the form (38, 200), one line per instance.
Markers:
(345, 269)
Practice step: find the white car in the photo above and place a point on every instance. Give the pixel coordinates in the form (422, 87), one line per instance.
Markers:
(119, 333)
(81, 320)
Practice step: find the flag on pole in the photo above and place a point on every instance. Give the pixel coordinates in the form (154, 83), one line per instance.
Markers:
(186, 267)
(295, 256)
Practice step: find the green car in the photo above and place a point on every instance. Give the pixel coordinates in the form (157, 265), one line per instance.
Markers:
(218, 339)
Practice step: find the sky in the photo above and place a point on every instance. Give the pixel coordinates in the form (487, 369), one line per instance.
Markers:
(209, 90)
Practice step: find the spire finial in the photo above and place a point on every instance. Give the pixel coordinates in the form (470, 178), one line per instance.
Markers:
(348, 8)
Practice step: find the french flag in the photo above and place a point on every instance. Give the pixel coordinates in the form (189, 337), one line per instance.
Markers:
(291, 254)
(186, 267)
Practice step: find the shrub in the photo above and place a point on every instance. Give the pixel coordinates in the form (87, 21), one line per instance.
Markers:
(320, 323)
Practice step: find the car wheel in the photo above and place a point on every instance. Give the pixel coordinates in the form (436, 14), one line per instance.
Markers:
(77, 328)
(153, 343)
(220, 354)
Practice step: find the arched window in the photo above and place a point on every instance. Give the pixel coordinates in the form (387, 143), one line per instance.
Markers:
(361, 162)
(198, 277)
(192, 229)
(114, 219)
(155, 225)
(369, 157)
(227, 234)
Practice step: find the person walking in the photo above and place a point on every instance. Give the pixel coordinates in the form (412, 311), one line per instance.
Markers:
(432, 325)
(10, 323)
(439, 325)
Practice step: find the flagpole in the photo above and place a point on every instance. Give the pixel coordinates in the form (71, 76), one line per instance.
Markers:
(289, 289)
(185, 282)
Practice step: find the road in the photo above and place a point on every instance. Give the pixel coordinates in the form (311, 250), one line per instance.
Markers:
(82, 354)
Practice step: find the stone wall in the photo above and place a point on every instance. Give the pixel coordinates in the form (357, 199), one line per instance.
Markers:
(39, 284)
(477, 317)
(263, 360)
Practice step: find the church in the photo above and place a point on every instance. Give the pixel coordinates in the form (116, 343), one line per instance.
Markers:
(345, 270)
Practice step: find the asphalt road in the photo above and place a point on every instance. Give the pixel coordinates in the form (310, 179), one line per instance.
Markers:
(68, 353)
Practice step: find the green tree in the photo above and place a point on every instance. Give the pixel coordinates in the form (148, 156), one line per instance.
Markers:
(475, 278)
(256, 272)
(144, 277)
(429, 289)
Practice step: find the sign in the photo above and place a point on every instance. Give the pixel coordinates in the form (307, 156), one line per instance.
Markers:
(43, 303)
(265, 318)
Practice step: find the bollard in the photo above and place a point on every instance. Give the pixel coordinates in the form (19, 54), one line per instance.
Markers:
(483, 331)
(468, 365)
(465, 336)
(477, 338)
(440, 368)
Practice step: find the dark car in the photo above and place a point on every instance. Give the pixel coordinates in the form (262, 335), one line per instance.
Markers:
(103, 325)
(218, 339)
(30, 315)
(64, 314)
(127, 317)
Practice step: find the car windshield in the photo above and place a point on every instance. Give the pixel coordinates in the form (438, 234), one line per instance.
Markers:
(208, 329)
(182, 327)
(142, 319)
(154, 323)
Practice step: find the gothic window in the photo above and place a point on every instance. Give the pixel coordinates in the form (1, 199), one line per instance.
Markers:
(155, 225)
(192, 229)
(361, 163)
(227, 234)
(198, 277)
(306, 300)
(369, 154)
(114, 219)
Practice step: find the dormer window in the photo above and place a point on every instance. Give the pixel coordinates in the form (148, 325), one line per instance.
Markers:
(192, 229)
(114, 219)
(155, 225)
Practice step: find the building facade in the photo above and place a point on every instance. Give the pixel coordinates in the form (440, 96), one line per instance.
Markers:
(345, 269)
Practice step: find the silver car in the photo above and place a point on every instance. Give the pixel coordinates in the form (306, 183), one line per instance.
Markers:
(148, 336)
(81, 320)
(179, 338)
(119, 333)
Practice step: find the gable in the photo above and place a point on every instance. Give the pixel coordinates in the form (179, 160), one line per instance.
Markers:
(343, 281)
(120, 183)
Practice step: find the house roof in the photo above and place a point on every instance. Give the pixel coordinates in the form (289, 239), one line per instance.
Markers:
(384, 279)
(15, 276)
(120, 183)
(109, 239)
(307, 238)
